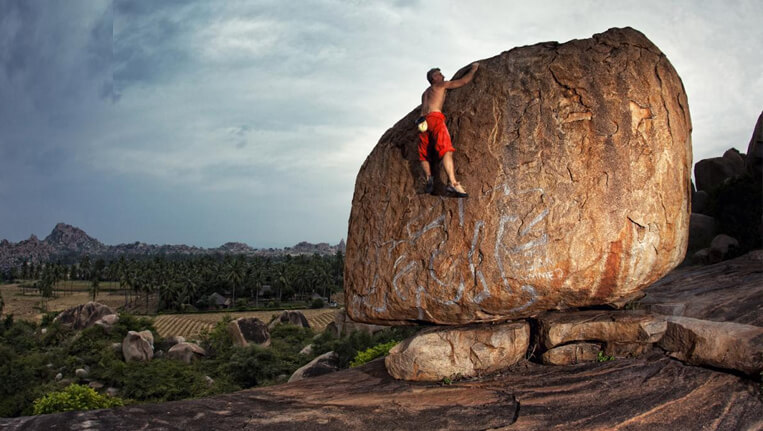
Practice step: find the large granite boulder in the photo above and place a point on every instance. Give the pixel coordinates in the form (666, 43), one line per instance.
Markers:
(86, 315)
(138, 346)
(577, 158)
(245, 330)
(467, 351)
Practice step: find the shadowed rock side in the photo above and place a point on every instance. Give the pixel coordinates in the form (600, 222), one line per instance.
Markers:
(630, 394)
(577, 158)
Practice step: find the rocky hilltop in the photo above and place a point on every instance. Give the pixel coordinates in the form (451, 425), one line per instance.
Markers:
(68, 243)
(577, 158)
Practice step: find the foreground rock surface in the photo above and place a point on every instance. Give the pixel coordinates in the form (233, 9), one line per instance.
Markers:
(86, 315)
(577, 158)
(729, 291)
(439, 353)
(653, 393)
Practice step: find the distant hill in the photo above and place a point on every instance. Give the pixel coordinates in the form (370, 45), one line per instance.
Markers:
(69, 243)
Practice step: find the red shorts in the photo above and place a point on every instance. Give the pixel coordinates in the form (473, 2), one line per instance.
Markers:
(439, 132)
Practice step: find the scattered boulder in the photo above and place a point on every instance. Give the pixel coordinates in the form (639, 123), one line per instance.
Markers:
(702, 230)
(95, 385)
(727, 345)
(467, 351)
(577, 158)
(711, 173)
(112, 392)
(108, 321)
(81, 373)
(307, 350)
(323, 364)
(721, 247)
(186, 352)
(558, 328)
(210, 381)
(165, 344)
(59, 376)
(570, 354)
(138, 346)
(701, 256)
(247, 330)
(292, 317)
(84, 315)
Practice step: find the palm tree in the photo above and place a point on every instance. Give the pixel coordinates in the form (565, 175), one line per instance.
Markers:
(235, 273)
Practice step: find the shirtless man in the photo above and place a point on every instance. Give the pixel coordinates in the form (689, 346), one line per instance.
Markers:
(431, 109)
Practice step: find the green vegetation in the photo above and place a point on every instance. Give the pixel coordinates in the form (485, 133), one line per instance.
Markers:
(31, 358)
(602, 357)
(74, 397)
(183, 283)
(372, 353)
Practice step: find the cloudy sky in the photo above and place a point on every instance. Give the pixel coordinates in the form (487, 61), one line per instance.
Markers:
(202, 122)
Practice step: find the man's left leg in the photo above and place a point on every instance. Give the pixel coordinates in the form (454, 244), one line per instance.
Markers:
(447, 163)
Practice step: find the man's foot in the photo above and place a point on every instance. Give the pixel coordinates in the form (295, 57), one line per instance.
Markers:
(430, 185)
(457, 190)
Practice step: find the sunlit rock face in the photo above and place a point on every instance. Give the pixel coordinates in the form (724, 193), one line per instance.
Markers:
(577, 160)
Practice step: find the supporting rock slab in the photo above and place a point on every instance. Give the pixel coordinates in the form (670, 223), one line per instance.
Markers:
(571, 354)
(726, 345)
(627, 326)
(439, 353)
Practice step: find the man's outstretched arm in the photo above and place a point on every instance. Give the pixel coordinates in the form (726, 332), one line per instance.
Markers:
(464, 79)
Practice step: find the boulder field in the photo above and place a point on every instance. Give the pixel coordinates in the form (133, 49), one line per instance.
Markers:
(577, 159)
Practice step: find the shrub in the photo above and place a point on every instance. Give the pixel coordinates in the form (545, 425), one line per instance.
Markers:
(218, 342)
(348, 346)
(159, 380)
(372, 353)
(74, 397)
(317, 303)
(254, 365)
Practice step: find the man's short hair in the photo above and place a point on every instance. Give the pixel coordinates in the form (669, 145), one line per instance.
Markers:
(431, 73)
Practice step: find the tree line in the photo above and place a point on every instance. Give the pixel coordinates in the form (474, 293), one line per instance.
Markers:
(184, 283)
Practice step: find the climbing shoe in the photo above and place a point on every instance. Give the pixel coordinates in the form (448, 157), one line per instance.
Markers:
(457, 190)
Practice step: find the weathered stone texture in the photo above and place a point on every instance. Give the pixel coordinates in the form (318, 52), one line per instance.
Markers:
(728, 345)
(577, 158)
(607, 326)
(438, 353)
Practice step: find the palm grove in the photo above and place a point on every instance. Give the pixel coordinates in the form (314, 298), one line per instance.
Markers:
(183, 283)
